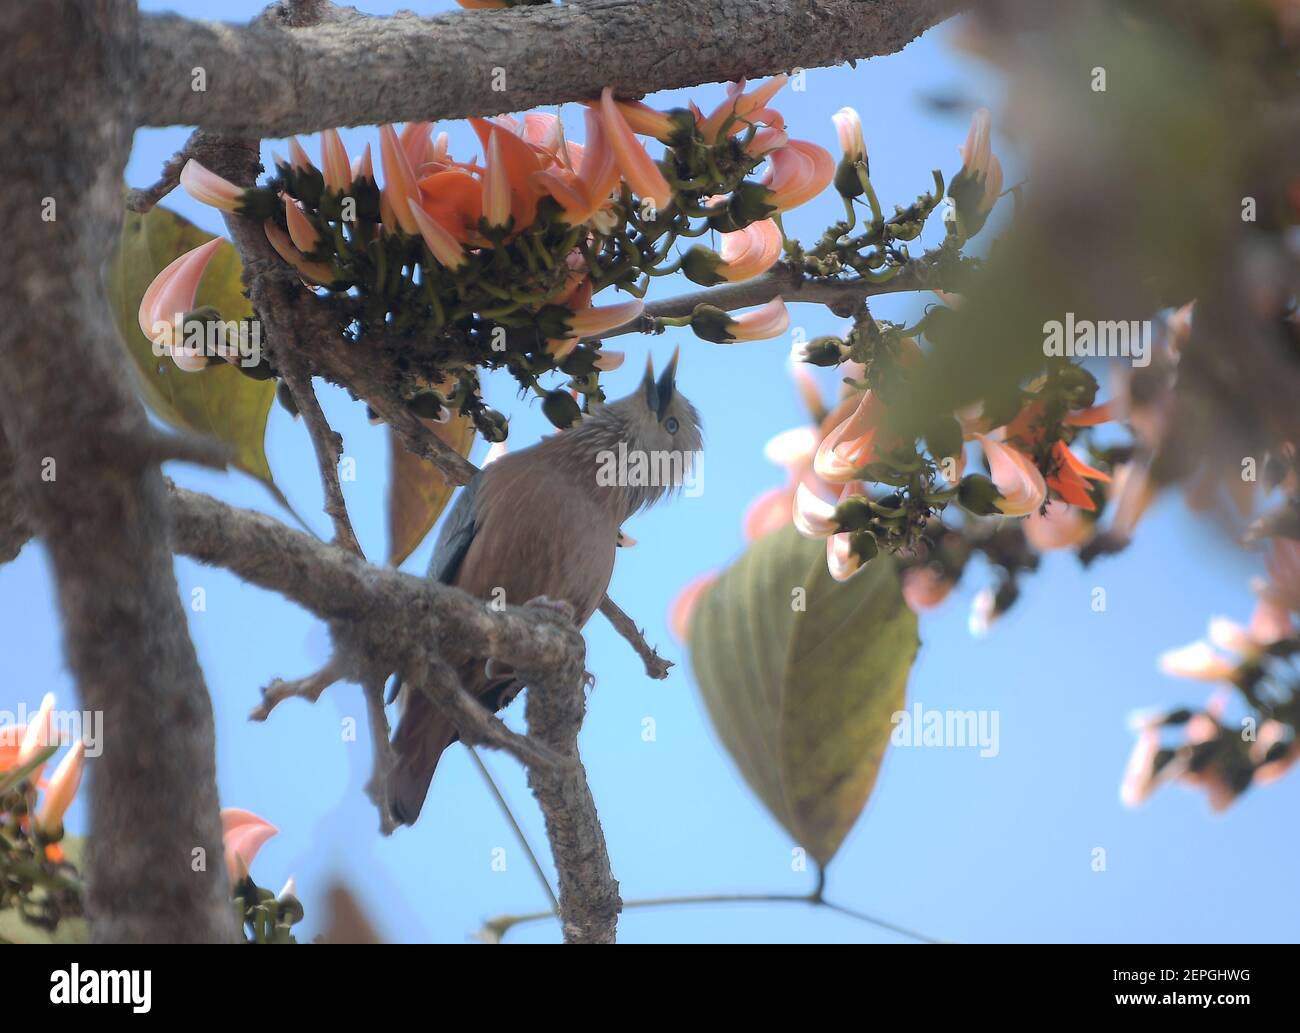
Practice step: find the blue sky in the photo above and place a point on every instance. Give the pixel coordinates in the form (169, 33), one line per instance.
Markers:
(962, 847)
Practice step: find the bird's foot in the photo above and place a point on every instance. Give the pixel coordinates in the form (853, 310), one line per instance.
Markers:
(560, 606)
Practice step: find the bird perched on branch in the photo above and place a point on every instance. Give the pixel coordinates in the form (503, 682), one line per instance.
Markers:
(545, 521)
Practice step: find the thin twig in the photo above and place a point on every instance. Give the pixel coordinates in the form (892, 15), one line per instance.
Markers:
(495, 930)
(518, 830)
(385, 757)
(143, 200)
(655, 665)
(308, 688)
(328, 445)
(475, 723)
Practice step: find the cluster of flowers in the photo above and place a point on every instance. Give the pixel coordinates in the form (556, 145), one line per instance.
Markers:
(41, 883)
(1220, 756)
(1033, 471)
(24, 751)
(495, 262)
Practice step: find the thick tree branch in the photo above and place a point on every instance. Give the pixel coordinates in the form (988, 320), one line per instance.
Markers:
(85, 474)
(395, 621)
(269, 79)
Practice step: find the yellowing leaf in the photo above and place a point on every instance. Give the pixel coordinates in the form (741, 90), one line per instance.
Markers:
(220, 401)
(802, 697)
(417, 492)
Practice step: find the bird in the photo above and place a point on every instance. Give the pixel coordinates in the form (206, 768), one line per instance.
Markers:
(543, 523)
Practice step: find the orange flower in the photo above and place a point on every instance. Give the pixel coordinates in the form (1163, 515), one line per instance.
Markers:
(301, 231)
(1059, 527)
(762, 323)
(583, 192)
(171, 295)
(848, 125)
(741, 108)
(242, 836)
(519, 162)
(1072, 475)
(62, 788)
(313, 272)
(851, 444)
(797, 172)
(642, 174)
(400, 186)
(441, 242)
(925, 587)
(454, 199)
(749, 252)
(1015, 476)
(37, 735)
(335, 162)
(210, 188)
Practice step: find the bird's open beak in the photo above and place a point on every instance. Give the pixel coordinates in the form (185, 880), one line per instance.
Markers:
(648, 385)
(667, 383)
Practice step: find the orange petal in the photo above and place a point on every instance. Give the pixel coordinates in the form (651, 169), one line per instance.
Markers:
(642, 174)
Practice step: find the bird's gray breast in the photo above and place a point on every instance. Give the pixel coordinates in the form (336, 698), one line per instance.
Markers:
(539, 529)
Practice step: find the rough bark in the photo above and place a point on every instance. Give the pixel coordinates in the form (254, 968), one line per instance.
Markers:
(85, 473)
(354, 69)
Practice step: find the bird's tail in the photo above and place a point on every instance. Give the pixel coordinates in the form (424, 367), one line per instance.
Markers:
(423, 733)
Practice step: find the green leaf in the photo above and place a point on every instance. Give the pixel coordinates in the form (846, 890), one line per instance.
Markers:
(802, 699)
(219, 401)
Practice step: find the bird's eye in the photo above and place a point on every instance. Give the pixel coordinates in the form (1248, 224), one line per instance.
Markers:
(670, 425)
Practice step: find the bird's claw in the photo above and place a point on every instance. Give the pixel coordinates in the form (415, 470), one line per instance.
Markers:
(560, 606)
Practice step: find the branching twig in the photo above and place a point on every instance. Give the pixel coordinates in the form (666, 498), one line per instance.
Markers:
(142, 200)
(496, 929)
(381, 744)
(308, 688)
(476, 725)
(655, 665)
(328, 445)
(513, 822)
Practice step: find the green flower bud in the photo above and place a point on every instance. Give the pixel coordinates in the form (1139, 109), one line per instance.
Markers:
(552, 321)
(824, 351)
(580, 361)
(750, 202)
(700, 265)
(940, 325)
(865, 546)
(847, 181)
(492, 425)
(1079, 386)
(427, 404)
(979, 495)
(711, 324)
(560, 408)
(854, 513)
(943, 437)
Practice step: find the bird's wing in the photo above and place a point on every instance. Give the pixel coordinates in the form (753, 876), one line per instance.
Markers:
(456, 535)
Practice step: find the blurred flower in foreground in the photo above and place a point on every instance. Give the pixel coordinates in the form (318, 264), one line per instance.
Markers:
(1213, 754)
(242, 835)
(39, 804)
(169, 298)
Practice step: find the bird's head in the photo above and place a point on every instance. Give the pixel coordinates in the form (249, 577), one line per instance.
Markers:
(659, 431)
